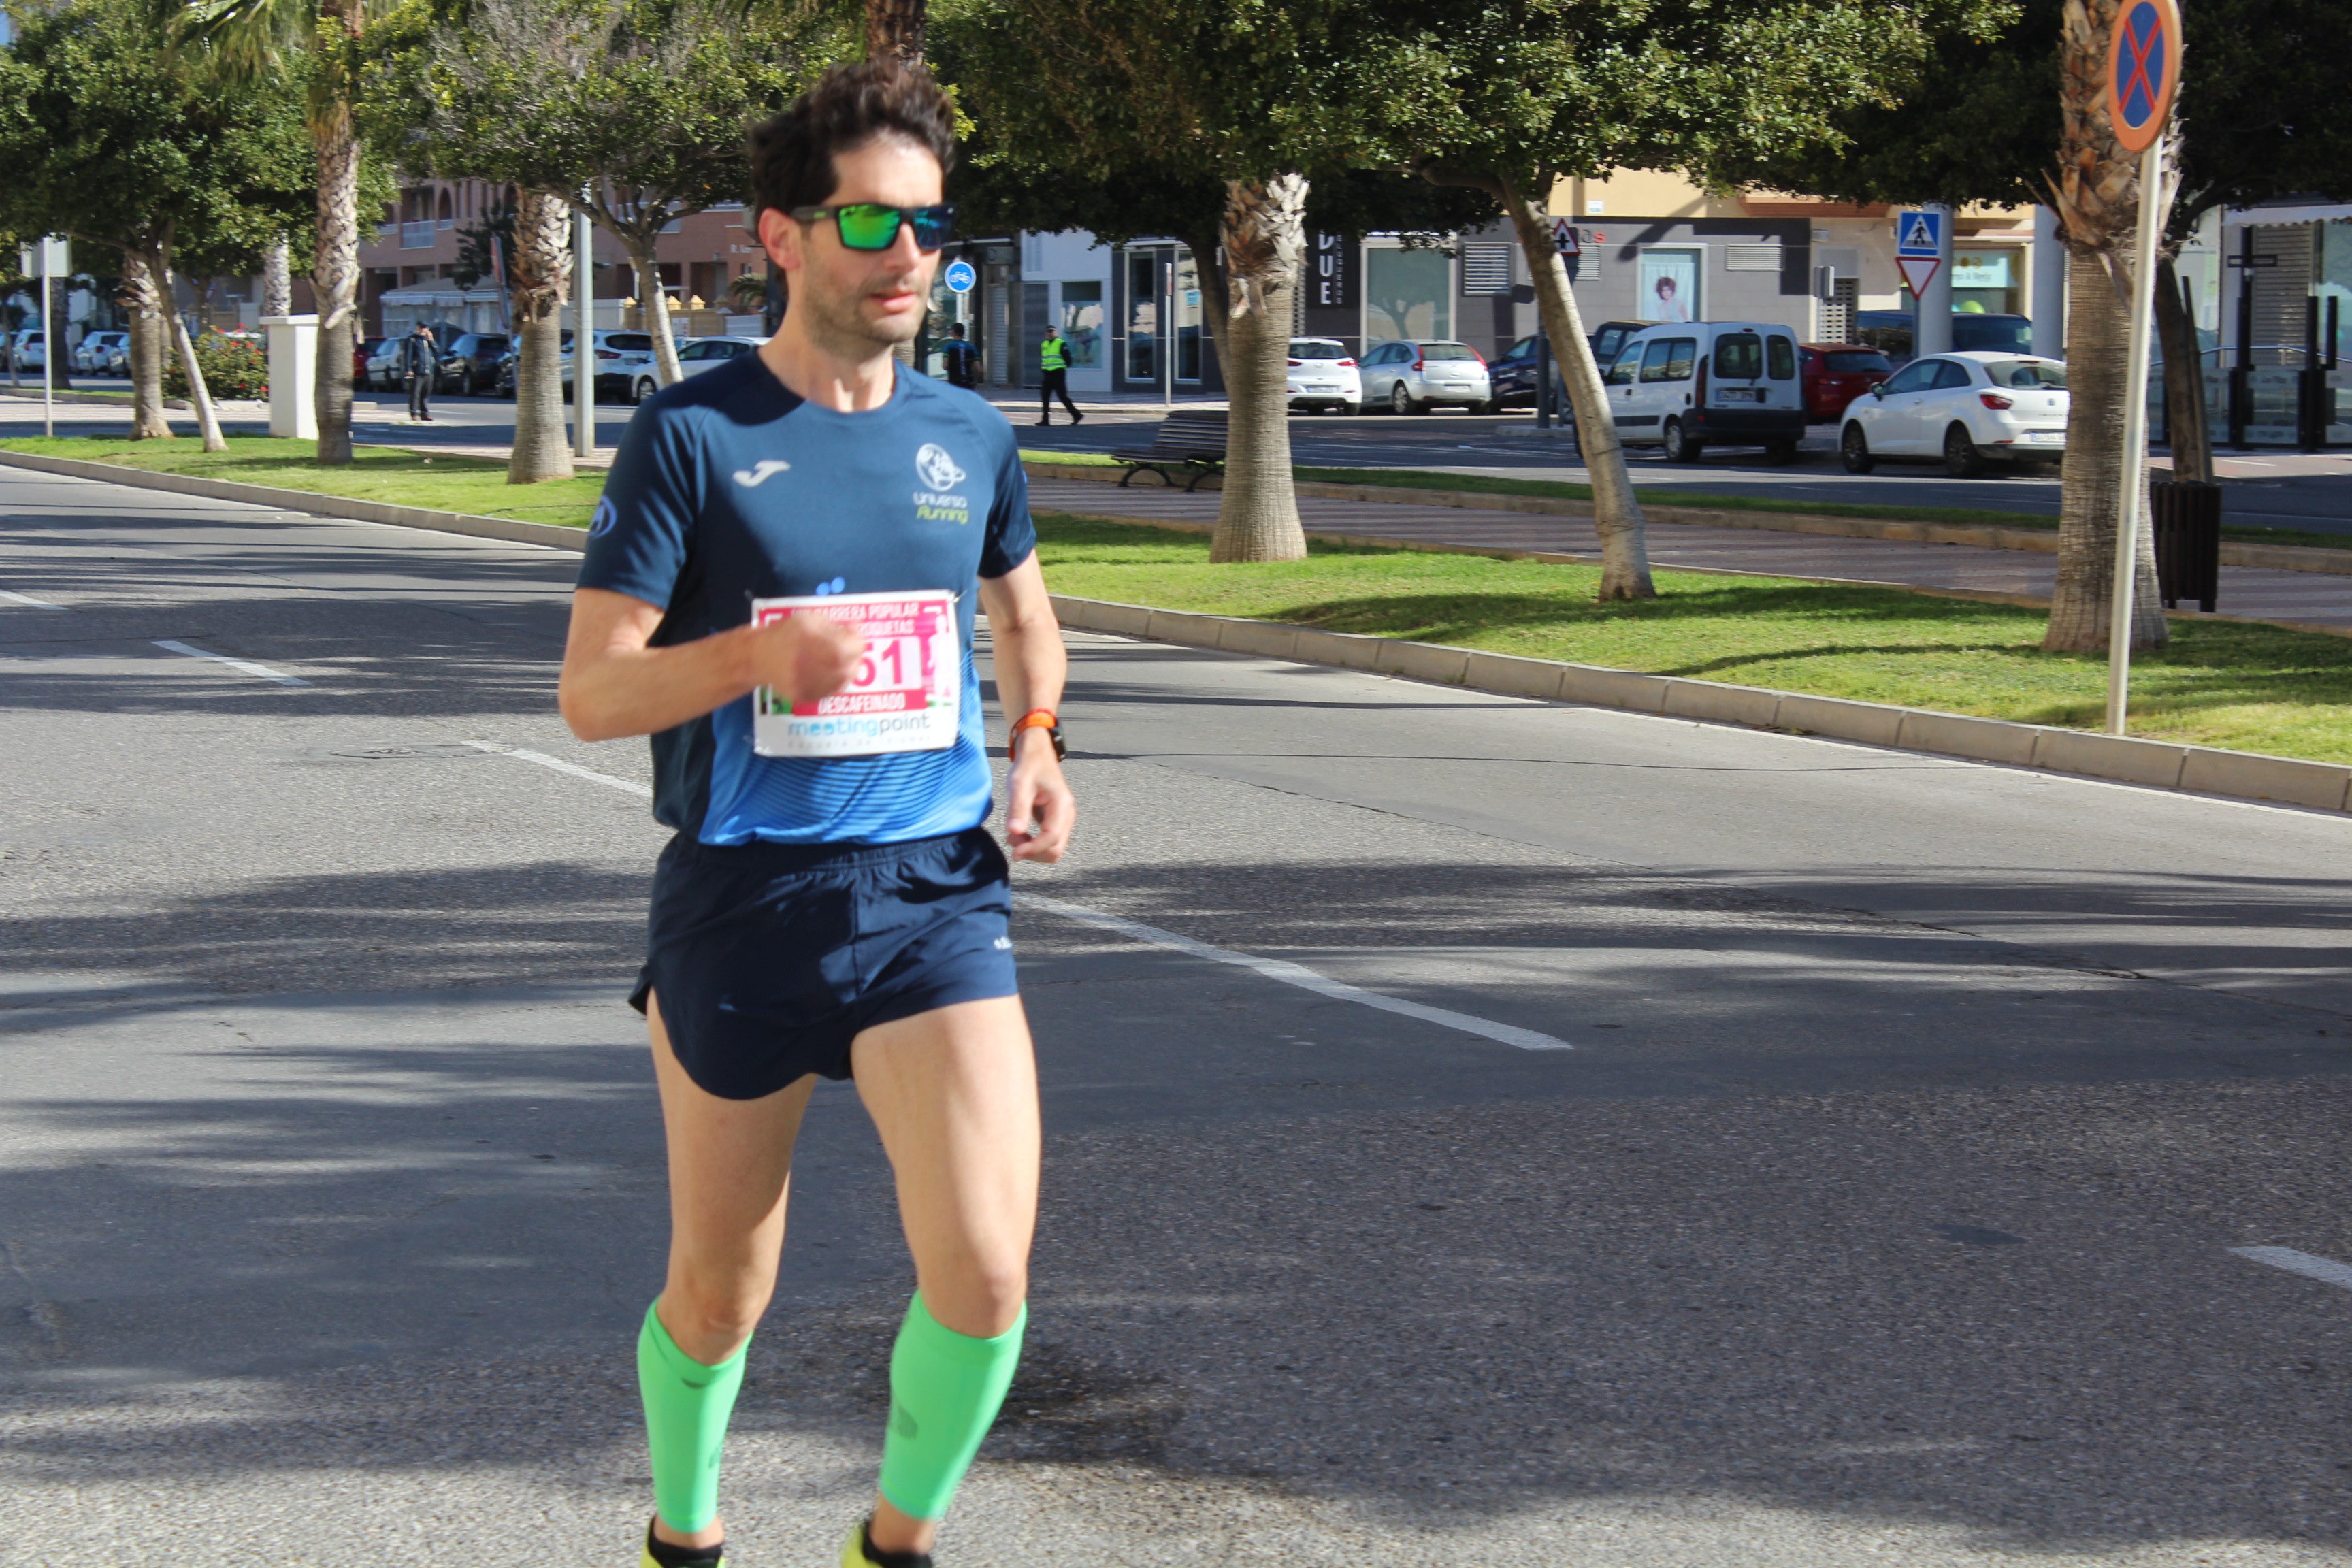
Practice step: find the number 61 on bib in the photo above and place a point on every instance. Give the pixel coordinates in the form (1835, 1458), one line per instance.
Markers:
(904, 696)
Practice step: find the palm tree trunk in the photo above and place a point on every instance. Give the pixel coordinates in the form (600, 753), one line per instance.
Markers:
(1616, 511)
(1263, 241)
(2191, 437)
(277, 280)
(895, 28)
(139, 302)
(2096, 193)
(199, 396)
(334, 276)
(2097, 340)
(542, 282)
(656, 299)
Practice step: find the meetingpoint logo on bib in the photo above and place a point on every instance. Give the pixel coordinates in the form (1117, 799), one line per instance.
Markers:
(940, 474)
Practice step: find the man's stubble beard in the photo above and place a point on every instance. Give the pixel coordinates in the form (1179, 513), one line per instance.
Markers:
(835, 326)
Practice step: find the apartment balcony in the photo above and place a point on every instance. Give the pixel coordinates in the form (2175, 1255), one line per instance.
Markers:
(418, 235)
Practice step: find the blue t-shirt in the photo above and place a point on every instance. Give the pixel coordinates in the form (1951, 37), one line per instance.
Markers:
(727, 487)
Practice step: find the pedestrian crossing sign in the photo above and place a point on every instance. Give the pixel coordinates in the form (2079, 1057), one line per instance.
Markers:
(1919, 233)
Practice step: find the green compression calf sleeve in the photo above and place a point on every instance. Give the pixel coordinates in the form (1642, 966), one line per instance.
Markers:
(945, 1389)
(686, 1407)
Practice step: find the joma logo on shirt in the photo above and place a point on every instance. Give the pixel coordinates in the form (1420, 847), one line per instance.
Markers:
(761, 472)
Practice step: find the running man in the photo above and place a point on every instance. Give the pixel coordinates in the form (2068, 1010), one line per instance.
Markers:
(832, 904)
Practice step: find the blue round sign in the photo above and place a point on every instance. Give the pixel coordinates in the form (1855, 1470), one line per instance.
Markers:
(960, 277)
(2143, 71)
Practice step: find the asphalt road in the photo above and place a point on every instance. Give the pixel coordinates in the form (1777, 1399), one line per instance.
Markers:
(2310, 492)
(1880, 1211)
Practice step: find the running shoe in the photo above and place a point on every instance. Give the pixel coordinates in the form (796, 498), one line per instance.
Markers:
(647, 1558)
(854, 1553)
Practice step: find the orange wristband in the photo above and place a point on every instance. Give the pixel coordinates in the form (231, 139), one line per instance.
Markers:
(1036, 718)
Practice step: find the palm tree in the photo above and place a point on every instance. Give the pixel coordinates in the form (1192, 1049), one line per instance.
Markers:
(2096, 196)
(252, 37)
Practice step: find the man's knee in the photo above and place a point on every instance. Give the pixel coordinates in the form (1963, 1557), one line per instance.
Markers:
(703, 1312)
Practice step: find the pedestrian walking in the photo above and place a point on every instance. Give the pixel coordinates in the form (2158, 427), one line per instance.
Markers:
(419, 362)
(962, 358)
(797, 637)
(1053, 358)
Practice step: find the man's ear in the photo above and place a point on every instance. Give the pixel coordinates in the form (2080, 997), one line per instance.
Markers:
(781, 237)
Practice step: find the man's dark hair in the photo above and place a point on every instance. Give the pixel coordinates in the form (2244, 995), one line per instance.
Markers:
(791, 155)
(957, 328)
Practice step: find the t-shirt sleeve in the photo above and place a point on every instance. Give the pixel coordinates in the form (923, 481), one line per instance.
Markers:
(637, 539)
(1011, 536)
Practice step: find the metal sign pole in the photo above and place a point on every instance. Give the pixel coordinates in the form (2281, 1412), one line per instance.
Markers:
(2143, 79)
(49, 340)
(2135, 474)
(584, 337)
(1168, 332)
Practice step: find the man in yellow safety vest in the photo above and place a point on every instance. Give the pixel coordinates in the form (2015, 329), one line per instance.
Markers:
(1054, 359)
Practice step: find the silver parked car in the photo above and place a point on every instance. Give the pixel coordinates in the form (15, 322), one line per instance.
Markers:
(694, 357)
(1407, 376)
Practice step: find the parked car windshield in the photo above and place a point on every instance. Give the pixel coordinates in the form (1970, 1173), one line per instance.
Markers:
(1446, 352)
(630, 342)
(1313, 348)
(1854, 361)
(2026, 372)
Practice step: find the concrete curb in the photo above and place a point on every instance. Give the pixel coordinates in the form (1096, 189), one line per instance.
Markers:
(508, 529)
(2276, 557)
(2202, 770)
(2158, 764)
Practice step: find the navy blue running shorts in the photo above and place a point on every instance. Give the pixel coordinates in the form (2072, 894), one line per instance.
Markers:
(769, 959)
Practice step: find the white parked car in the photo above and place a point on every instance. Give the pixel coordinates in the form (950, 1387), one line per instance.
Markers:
(1408, 376)
(694, 357)
(1688, 385)
(94, 356)
(1323, 374)
(25, 349)
(1969, 409)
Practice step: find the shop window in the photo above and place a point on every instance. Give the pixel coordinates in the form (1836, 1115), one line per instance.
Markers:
(1082, 323)
(1408, 293)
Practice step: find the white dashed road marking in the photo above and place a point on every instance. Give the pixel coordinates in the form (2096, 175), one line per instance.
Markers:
(246, 665)
(28, 599)
(1272, 968)
(2306, 1264)
(1299, 975)
(561, 766)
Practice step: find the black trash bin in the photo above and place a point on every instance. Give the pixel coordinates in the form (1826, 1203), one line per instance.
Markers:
(2188, 517)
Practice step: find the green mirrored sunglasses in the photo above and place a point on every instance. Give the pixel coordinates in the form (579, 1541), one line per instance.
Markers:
(868, 226)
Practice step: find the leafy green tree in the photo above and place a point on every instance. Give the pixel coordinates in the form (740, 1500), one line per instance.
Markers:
(1252, 100)
(321, 47)
(1997, 119)
(1539, 91)
(632, 111)
(111, 138)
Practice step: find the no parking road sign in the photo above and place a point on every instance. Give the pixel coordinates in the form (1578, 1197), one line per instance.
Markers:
(960, 276)
(2143, 71)
(1918, 248)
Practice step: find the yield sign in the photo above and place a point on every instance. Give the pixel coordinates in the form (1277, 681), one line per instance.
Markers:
(1564, 237)
(1918, 271)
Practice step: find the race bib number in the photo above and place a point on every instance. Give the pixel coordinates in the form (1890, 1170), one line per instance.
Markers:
(903, 697)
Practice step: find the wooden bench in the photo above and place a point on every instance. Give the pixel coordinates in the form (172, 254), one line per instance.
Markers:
(1193, 443)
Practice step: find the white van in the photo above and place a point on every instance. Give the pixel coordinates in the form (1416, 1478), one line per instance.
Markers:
(1689, 385)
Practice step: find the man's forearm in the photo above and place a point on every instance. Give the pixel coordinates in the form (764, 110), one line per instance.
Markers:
(1031, 664)
(640, 691)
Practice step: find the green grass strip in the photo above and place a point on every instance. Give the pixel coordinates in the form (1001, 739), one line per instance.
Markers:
(397, 476)
(2252, 688)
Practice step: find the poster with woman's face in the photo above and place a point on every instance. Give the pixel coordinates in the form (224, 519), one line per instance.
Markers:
(1669, 285)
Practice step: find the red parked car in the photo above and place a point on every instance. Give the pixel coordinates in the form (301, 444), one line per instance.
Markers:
(1836, 373)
